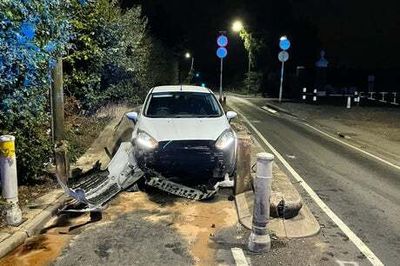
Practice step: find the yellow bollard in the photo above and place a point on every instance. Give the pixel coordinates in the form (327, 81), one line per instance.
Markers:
(9, 182)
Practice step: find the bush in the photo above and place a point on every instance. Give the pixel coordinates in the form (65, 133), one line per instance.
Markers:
(253, 82)
(32, 33)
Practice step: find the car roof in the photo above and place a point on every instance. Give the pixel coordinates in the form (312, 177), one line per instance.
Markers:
(185, 88)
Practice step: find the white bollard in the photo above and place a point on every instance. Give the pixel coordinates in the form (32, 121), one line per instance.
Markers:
(259, 239)
(9, 182)
(348, 106)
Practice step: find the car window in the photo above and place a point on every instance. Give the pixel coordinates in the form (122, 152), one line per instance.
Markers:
(182, 104)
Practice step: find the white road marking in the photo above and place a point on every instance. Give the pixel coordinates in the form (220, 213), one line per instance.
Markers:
(346, 263)
(354, 147)
(346, 230)
(269, 109)
(239, 257)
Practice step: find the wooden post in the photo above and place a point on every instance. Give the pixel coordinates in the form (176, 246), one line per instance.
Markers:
(243, 177)
(57, 107)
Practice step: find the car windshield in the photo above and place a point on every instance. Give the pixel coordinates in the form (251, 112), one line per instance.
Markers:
(182, 104)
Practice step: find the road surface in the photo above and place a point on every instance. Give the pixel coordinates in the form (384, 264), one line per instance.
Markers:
(362, 191)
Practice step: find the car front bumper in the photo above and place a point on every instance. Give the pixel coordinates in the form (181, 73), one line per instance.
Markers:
(188, 161)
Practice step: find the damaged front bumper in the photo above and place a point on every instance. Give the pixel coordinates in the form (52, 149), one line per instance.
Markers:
(192, 162)
(188, 161)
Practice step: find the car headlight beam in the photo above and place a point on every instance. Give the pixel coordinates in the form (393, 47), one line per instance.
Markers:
(225, 140)
(146, 141)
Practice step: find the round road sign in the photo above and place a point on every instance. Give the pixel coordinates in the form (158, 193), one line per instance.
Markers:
(222, 52)
(284, 43)
(283, 56)
(222, 41)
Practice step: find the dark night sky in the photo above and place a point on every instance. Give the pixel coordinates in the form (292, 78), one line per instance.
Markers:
(356, 34)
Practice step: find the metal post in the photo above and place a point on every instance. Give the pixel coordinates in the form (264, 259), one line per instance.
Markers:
(394, 98)
(248, 73)
(192, 65)
(259, 240)
(304, 93)
(315, 95)
(57, 101)
(280, 88)
(220, 80)
(9, 181)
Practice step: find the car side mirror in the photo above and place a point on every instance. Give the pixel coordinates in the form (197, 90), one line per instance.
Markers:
(231, 115)
(133, 116)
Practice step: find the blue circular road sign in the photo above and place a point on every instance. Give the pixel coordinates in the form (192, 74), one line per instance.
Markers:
(222, 52)
(284, 43)
(222, 41)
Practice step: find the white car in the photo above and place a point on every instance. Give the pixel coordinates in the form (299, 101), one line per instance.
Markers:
(183, 134)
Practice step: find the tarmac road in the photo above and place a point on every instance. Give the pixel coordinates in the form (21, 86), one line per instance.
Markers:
(363, 192)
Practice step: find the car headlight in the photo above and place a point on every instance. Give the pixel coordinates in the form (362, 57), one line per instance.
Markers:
(225, 140)
(146, 141)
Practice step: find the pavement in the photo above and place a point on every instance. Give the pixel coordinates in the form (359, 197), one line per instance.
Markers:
(35, 216)
(342, 185)
(302, 225)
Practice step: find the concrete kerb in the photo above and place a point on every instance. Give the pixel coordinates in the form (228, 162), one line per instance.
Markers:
(31, 226)
(302, 225)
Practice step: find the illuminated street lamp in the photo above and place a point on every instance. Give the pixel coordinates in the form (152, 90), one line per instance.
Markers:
(237, 26)
(187, 56)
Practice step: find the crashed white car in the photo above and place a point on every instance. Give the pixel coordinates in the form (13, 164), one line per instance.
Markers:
(183, 135)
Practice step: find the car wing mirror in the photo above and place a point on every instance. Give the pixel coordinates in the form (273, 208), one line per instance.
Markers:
(231, 115)
(133, 116)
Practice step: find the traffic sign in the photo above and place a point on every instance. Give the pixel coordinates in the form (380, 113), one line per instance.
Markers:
(283, 56)
(222, 52)
(222, 41)
(284, 43)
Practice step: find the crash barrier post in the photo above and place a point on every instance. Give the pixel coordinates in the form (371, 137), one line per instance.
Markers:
(394, 98)
(357, 98)
(259, 239)
(315, 95)
(9, 182)
(371, 95)
(243, 179)
(304, 96)
(383, 97)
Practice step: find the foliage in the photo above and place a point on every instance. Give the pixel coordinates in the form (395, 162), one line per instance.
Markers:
(251, 44)
(32, 33)
(253, 82)
(113, 57)
(108, 56)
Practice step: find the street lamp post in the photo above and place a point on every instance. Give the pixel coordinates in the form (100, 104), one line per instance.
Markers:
(237, 26)
(188, 55)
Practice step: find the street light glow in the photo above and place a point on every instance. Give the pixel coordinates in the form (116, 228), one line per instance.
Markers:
(187, 55)
(237, 26)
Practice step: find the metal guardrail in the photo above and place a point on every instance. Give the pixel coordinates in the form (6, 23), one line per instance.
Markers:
(391, 98)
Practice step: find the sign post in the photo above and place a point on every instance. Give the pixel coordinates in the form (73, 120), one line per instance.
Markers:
(222, 52)
(283, 56)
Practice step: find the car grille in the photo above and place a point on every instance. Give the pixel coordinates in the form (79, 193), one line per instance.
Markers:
(191, 158)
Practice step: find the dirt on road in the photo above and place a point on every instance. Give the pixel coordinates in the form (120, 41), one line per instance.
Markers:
(195, 222)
